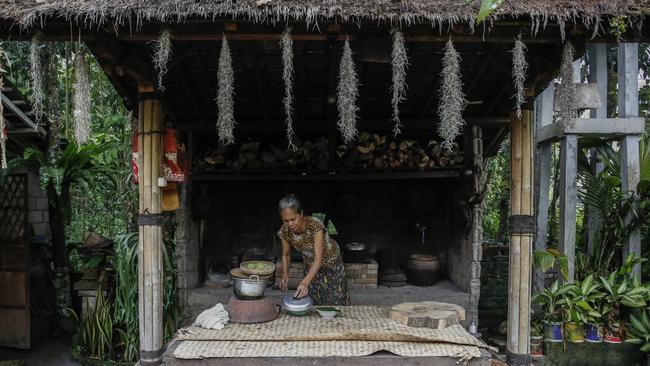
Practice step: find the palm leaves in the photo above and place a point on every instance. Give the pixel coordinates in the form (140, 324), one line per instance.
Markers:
(639, 330)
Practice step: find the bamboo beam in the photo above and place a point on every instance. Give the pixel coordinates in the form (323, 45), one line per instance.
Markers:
(521, 239)
(150, 233)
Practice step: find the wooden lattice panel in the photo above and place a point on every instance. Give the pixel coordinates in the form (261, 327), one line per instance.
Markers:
(13, 216)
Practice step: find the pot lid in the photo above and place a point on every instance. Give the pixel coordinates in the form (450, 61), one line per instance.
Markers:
(293, 304)
(355, 246)
(424, 257)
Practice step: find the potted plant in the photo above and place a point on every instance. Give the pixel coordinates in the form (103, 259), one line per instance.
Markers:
(587, 297)
(574, 318)
(536, 338)
(551, 300)
(639, 332)
(620, 291)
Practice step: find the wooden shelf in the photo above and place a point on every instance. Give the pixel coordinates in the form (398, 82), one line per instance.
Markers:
(453, 172)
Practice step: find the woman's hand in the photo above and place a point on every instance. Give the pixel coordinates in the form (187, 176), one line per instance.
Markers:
(284, 282)
(302, 290)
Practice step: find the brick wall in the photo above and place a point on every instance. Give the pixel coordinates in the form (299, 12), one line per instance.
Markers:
(493, 304)
(359, 275)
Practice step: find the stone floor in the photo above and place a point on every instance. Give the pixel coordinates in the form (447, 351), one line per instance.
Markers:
(45, 353)
(202, 298)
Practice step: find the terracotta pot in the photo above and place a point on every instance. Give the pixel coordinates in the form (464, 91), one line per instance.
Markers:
(423, 269)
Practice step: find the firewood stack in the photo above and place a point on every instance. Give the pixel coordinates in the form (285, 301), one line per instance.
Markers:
(370, 150)
(376, 151)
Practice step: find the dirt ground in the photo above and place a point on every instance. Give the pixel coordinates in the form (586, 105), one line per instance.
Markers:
(44, 353)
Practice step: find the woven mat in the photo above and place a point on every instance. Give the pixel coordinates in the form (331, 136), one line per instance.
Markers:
(216, 349)
(355, 323)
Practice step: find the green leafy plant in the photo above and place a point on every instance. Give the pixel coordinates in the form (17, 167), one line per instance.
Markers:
(639, 330)
(551, 258)
(95, 329)
(621, 291)
(536, 328)
(551, 300)
(329, 225)
(584, 300)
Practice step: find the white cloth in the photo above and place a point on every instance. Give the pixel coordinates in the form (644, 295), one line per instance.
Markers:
(214, 318)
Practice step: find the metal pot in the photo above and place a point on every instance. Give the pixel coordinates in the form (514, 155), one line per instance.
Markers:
(251, 288)
(354, 252)
(296, 306)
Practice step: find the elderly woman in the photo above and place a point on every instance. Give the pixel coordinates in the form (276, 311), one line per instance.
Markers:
(324, 272)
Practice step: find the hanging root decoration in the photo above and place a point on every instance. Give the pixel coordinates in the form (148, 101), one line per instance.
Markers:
(519, 70)
(567, 90)
(286, 44)
(399, 62)
(452, 98)
(162, 48)
(225, 96)
(37, 96)
(348, 92)
(81, 100)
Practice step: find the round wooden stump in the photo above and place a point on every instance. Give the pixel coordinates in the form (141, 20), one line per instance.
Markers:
(427, 314)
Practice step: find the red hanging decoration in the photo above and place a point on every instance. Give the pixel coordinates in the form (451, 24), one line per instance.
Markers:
(134, 158)
(171, 168)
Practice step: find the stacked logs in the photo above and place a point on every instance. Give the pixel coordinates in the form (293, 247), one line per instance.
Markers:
(376, 151)
(370, 150)
(309, 156)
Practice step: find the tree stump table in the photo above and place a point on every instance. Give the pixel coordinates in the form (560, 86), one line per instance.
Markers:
(427, 314)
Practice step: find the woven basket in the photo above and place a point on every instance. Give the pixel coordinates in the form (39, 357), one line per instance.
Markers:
(268, 270)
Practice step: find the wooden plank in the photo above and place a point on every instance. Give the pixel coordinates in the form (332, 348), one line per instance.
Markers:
(597, 56)
(22, 116)
(628, 106)
(594, 127)
(568, 199)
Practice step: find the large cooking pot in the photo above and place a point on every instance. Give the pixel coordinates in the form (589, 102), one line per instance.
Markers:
(354, 253)
(251, 288)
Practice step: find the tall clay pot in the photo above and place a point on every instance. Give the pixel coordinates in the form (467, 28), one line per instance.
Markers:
(423, 269)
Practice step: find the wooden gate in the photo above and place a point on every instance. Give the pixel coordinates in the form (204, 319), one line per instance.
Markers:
(14, 263)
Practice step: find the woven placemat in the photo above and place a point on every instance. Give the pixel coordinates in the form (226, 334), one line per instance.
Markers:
(355, 323)
(234, 349)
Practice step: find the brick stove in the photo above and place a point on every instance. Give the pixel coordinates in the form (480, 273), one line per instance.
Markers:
(360, 275)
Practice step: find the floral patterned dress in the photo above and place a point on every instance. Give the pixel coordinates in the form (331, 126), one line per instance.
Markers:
(330, 286)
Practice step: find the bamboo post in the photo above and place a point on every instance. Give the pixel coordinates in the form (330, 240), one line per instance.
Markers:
(522, 230)
(150, 263)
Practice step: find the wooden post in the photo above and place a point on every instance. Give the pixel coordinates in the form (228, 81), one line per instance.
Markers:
(597, 54)
(628, 106)
(522, 230)
(568, 199)
(150, 264)
(543, 117)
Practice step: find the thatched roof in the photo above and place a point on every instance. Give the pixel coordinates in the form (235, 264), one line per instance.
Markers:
(406, 12)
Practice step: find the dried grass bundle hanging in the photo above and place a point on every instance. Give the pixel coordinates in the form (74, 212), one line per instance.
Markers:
(37, 96)
(567, 90)
(347, 94)
(286, 43)
(519, 70)
(452, 98)
(162, 48)
(399, 62)
(225, 94)
(81, 100)
(3, 136)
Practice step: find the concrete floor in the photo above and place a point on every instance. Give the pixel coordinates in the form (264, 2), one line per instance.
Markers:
(45, 353)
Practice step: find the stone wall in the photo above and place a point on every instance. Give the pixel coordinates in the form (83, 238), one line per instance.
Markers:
(359, 275)
(187, 247)
(493, 304)
(38, 215)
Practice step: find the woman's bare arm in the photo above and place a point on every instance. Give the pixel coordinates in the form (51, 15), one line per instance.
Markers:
(319, 249)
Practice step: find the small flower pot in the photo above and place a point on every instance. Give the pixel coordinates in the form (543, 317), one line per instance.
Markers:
(553, 332)
(612, 333)
(575, 332)
(536, 345)
(593, 333)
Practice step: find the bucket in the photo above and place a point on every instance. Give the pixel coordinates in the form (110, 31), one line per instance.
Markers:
(553, 332)
(612, 333)
(593, 333)
(536, 345)
(575, 332)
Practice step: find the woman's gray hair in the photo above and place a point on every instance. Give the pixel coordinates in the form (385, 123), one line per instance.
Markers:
(291, 201)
